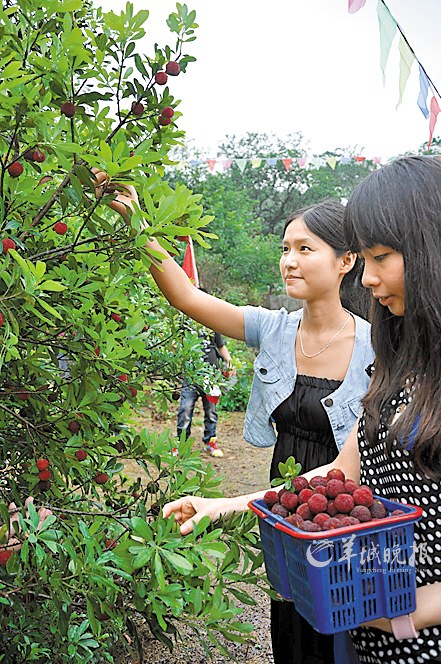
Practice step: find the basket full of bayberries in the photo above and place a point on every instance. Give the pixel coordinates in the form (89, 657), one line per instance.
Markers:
(343, 555)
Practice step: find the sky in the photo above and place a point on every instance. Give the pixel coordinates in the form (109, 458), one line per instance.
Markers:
(306, 66)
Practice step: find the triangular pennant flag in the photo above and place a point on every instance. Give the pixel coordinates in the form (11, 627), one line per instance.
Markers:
(195, 162)
(227, 164)
(434, 110)
(355, 5)
(181, 165)
(255, 163)
(406, 61)
(388, 28)
(424, 89)
(332, 162)
(359, 159)
(377, 160)
(271, 161)
(189, 264)
(211, 163)
(316, 162)
(301, 161)
(345, 160)
(241, 163)
(287, 163)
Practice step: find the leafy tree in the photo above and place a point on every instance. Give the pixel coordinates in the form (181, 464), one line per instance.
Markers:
(84, 331)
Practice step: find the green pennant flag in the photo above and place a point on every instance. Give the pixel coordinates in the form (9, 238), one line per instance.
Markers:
(407, 59)
(241, 163)
(388, 28)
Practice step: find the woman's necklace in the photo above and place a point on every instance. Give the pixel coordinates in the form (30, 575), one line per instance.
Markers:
(322, 350)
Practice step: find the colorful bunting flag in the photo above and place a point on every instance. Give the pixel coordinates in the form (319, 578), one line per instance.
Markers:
(211, 163)
(241, 163)
(227, 164)
(388, 28)
(287, 163)
(424, 89)
(355, 5)
(271, 161)
(406, 61)
(332, 162)
(255, 163)
(434, 110)
(189, 263)
(301, 161)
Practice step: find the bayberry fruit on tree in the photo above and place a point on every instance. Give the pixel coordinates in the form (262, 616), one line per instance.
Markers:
(101, 478)
(137, 108)
(38, 156)
(7, 244)
(5, 554)
(161, 78)
(42, 464)
(172, 68)
(81, 455)
(15, 169)
(134, 391)
(116, 317)
(123, 378)
(60, 227)
(97, 351)
(2, 320)
(164, 121)
(74, 426)
(68, 109)
(44, 475)
(167, 112)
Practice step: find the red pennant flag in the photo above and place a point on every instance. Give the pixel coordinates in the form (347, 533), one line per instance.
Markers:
(189, 264)
(355, 5)
(359, 159)
(211, 163)
(434, 110)
(287, 163)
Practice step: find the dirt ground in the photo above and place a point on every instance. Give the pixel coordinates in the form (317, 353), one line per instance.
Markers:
(244, 469)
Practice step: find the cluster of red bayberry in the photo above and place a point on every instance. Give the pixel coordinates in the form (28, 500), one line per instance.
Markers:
(44, 474)
(326, 503)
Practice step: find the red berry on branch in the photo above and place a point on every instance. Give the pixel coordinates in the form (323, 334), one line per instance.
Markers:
(81, 455)
(101, 478)
(60, 227)
(2, 320)
(68, 109)
(7, 244)
(44, 475)
(123, 378)
(161, 78)
(164, 121)
(5, 554)
(116, 317)
(137, 108)
(42, 464)
(38, 156)
(74, 426)
(172, 68)
(111, 543)
(97, 351)
(167, 112)
(44, 486)
(134, 391)
(15, 169)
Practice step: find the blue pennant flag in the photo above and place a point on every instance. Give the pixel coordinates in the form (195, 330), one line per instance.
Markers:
(422, 97)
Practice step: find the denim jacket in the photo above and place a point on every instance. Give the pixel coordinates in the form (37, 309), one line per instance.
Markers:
(273, 333)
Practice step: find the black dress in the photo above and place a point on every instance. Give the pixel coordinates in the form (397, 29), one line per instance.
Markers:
(303, 431)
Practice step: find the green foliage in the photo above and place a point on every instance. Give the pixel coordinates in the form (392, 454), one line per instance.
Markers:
(236, 392)
(288, 471)
(84, 331)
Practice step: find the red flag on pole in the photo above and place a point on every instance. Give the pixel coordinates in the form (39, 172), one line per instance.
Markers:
(189, 263)
(434, 110)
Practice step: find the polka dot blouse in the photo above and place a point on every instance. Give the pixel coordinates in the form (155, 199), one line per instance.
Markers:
(395, 477)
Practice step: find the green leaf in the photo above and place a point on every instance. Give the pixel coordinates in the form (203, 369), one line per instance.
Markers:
(181, 564)
(50, 285)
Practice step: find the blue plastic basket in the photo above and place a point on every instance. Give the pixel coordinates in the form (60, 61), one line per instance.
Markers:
(335, 592)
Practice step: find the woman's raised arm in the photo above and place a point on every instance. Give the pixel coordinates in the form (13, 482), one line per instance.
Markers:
(210, 311)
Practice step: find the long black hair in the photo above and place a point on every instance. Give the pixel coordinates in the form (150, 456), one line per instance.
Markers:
(399, 206)
(325, 220)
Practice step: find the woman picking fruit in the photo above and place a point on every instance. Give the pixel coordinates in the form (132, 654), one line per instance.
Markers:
(310, 372)
(393, 219)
